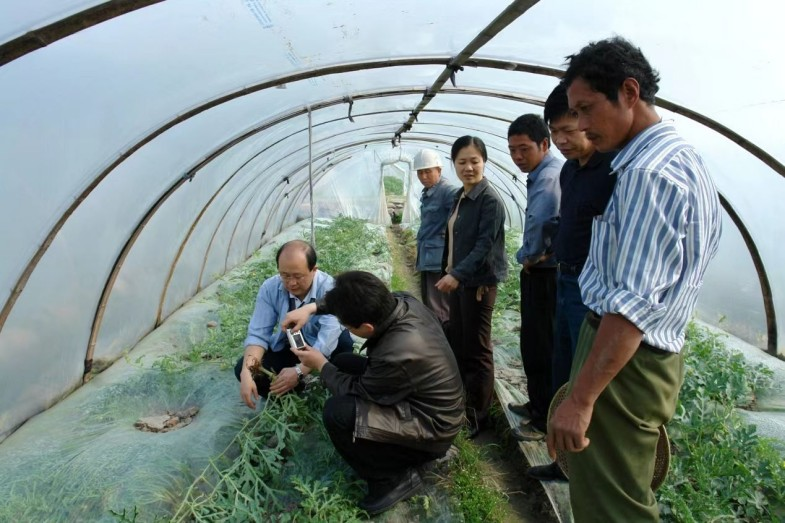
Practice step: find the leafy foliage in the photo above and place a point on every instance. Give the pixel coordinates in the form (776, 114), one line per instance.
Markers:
(508, 292)
(342, 244)
(224, 343)
(393, 186)
(259, 484)
(345, 242)
(721, 470)
(477, 501)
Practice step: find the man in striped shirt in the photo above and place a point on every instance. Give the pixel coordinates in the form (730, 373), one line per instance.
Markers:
(648, 254)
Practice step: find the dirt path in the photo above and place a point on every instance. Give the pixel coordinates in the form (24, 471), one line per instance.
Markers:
(504, 464)
(404, 256)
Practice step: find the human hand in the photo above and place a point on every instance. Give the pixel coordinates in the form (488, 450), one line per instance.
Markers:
(297, 318)
(284, 381)
(567, 428)
(310, 357)
(248, 391)
(447, 283)
(530, 262)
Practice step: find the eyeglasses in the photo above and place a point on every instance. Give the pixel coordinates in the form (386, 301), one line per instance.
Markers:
(292, 277)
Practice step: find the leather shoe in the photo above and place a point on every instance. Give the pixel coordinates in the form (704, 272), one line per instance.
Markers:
(475, 427)
(438, 464)
(552, 472)
(376, 503)
(528, 432)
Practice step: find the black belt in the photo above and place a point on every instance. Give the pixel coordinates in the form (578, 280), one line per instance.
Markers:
(566, 268)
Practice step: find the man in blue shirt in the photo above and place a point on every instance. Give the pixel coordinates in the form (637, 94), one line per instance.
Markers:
(437, 198)
(529, 143)
(298, 282)
(648, 254)
(586, 186)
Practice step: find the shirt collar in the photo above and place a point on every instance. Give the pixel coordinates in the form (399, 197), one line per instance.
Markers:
(640, 142)
(548, 158)
(477, 189)
(429, 190)
(596, 159)
(312, 292)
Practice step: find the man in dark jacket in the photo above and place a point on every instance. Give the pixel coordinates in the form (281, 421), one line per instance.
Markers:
(400, 407)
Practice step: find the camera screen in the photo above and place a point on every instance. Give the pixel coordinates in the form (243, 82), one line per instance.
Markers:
(299, 341)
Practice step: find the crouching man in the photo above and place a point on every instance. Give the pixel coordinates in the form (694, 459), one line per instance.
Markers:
(402, 405)
(298, 282)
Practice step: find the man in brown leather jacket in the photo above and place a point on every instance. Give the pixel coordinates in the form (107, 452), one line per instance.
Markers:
(402, 405)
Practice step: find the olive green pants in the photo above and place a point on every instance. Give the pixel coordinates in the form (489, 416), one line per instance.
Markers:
(610, 481)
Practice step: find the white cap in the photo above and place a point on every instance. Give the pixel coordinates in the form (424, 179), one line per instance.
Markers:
(425, 159)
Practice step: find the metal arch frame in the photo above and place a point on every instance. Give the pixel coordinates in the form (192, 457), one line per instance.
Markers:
(445, 142)
(49, 34)
(202, 163)
(299, 188)
(302, 75)
(768, 297)
(30, 267)
(496, 164)
(501, 179)
(505, 18)
(286, 177)
(354, 66)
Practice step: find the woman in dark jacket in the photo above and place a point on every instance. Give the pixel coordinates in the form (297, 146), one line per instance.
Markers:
(474, 262)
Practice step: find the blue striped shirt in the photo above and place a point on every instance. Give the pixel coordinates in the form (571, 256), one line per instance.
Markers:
(650, 248)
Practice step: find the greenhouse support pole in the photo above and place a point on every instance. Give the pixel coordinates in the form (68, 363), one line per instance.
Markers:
(310, 172)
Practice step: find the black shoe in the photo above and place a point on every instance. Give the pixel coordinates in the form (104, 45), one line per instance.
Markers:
(475, 427)
(552, 472)
(376, 503)
(528, 432)
(521, 409)
(438, 464)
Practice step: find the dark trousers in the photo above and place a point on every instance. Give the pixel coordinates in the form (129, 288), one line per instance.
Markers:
(538, 310)
(276, 361)
(470, 339)
(570, 312)
(438, 302)
(382, 465)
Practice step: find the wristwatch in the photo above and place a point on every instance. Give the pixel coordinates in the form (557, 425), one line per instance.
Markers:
(299, 372)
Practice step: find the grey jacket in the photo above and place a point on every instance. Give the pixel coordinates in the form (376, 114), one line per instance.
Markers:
(411, 392)
(434, 211)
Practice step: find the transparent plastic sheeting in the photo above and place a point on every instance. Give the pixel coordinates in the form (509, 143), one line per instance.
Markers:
(79, 104)
(84, 457)
(16, 20)
(84, 460)
(178, 150)
(722, 59)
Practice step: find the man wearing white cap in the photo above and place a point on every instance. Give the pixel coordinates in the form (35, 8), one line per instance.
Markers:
(437, 199)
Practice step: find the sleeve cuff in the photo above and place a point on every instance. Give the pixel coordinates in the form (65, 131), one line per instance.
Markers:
(321, 306)
(640, 312)
(253, 340)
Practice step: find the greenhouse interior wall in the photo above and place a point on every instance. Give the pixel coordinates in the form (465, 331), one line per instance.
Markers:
(148, 147)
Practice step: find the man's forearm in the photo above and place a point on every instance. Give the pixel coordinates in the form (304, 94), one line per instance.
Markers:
(252, 359)
(615, 344)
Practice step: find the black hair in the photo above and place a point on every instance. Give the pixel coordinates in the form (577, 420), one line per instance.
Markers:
(466, 141)
(604, 65)
(556, 106)
(359, 297)
(531, 125)
(304, 246)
